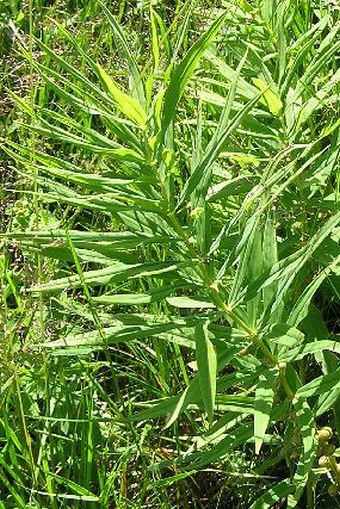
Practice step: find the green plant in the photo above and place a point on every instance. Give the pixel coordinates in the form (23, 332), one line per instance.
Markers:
(215, 186)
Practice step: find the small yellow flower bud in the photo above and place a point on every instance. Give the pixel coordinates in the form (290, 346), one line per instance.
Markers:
(324, 434)
(324, 461)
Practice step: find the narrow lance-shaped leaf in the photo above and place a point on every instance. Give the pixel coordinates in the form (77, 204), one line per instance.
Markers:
(182, 402)
(184, 71)
(116, 241)
(244, 251)
(270, 257)
(181, 24)
(189, 302)
(127, 105)
(117, 272)
(306, 425)
(322, 384)
(285, 271)
(124, 48)
(213, 151)
(275, 494)
(78, 77)
(207, 368)
(330, 363)
(198, 197)
(314, 347)
(300, 309)
(127, 328)
(230, 442)
(271, 98)
(301, 46)
(155, 39)
(134, 299)
(244, 88)
(86, 96)
(53, 131)
(264, 396)
(326, 401)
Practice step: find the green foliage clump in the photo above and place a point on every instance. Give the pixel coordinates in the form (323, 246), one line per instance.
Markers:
(171, 258)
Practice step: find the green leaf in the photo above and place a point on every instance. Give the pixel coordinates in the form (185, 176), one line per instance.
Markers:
(270, 257)
(126, 328)
(135, 299)
(207, 368)
(102, 147)
(85, 494)
(213, 150)
(327, 49)
(300, 309)
(314, 347)
(271, 98)
(234, 403)
(117, 272)
(234, 439)
(124, 48)
(127, 105)
(326, 401)
(285, 271)
(192, 394)
(243, 88)
(306, 426)
(187, 395)
(184, 71)
(264, 397)
(114, 241)
(330, 363)
(236, 186)
(278, 492)
(190, 303)
(283, 335)
(320, 385)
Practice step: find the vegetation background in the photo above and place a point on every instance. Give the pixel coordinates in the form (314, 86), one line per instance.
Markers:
(169, 254)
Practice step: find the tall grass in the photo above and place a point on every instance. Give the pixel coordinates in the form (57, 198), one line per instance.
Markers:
(171, 261)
